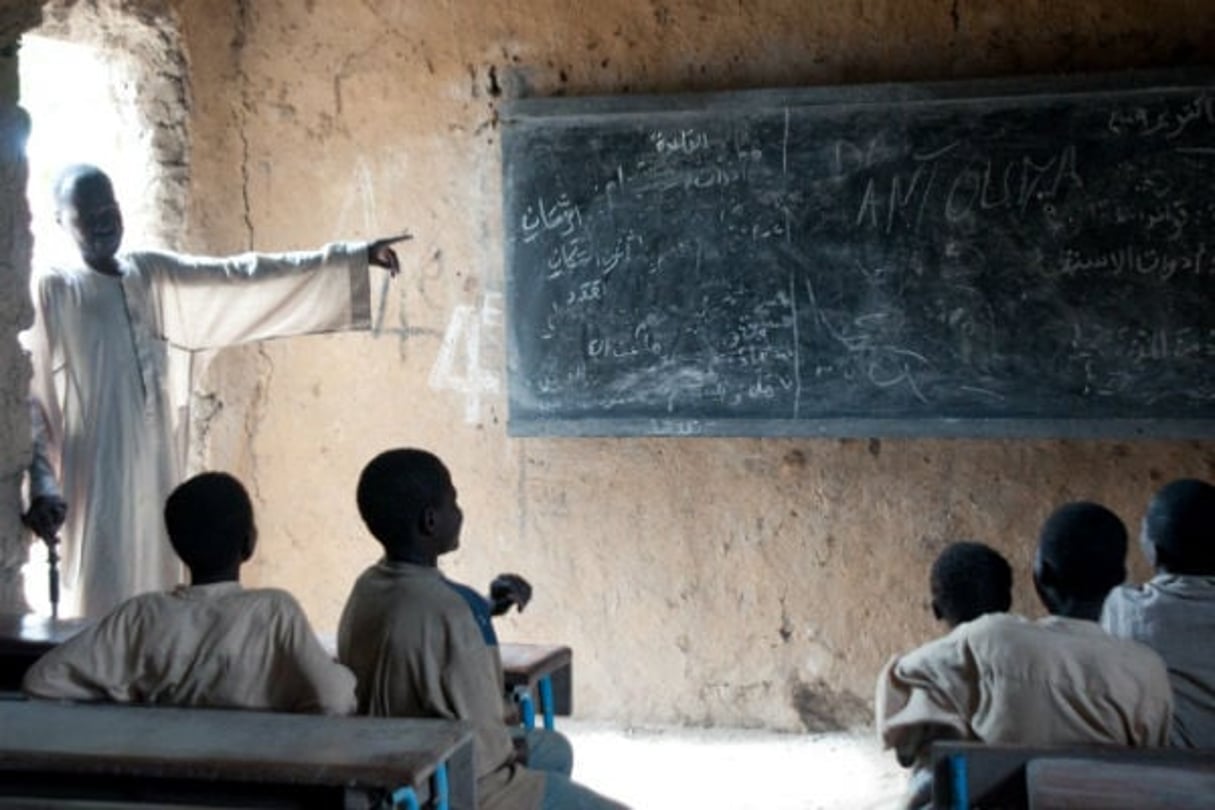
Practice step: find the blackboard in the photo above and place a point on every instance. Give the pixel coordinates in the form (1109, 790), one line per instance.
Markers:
(1031, 257)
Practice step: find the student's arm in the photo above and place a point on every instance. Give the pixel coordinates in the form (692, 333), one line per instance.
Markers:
(98, 663)
(925, 696)
(468, 677)
(322, 684)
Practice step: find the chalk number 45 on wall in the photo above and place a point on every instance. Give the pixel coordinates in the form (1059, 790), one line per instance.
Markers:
(458, 364)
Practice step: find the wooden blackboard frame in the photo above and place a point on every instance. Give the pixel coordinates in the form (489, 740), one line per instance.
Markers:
(522, 119)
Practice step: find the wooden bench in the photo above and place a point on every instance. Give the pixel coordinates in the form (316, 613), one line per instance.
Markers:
(543, 671)
(55, 753)
(995, 777)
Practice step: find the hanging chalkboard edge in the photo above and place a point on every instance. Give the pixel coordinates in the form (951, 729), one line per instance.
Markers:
(1163, 429)
(523, 110)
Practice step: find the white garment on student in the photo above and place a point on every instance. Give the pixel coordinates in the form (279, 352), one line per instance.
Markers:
(1175, 616)
(1004, 679)
(214, 646)
(101, 349)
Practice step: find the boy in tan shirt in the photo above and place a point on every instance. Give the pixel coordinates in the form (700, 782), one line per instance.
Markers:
(412, 640)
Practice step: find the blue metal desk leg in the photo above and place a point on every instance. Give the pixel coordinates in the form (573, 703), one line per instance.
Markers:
(959, 783)
(546, 701)
(439, 784)
(407, 798)
(526, 707)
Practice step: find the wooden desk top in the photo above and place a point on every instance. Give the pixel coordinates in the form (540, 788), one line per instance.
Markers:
(524, 664)
(38, 633)
(224, 745)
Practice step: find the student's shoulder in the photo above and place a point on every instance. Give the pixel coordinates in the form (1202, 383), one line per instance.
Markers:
(993, 631)
(271, 598)
(951, 646)
(140, 614)
(993, 625)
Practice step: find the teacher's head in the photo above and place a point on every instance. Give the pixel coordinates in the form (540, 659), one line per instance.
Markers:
(86, 208)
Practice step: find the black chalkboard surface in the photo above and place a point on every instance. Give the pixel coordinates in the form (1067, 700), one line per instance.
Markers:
(1002, 258)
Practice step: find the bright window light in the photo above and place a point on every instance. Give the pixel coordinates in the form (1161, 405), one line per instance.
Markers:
(82, 109)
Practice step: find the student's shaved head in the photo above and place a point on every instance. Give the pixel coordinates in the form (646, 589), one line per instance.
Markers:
(1081, 557)
(1180, 528)
(394, 490)
(210, 523)
(969, 580)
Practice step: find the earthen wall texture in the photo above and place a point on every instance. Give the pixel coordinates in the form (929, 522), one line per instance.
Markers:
(15, 314)
(746, 582)
(15, 311)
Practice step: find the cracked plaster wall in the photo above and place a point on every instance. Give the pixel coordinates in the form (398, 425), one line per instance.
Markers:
(757, 582)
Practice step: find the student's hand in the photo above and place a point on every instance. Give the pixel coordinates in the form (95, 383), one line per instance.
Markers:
(507, 590)
(381, 254)
(46, 516)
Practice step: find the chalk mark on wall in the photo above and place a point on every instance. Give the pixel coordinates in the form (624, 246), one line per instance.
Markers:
(462, 341)
(360, 199)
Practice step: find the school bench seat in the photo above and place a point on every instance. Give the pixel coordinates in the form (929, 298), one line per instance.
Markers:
(1007, 777)
(543, 670)
(52, 752)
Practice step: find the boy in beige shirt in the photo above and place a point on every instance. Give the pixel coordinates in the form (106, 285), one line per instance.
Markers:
(209, 644)
(413, 642)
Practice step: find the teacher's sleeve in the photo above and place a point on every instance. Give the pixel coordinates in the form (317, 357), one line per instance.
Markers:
(208, 303)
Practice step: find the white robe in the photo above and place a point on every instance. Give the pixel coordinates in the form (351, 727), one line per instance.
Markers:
(100, 349)
(217, 646)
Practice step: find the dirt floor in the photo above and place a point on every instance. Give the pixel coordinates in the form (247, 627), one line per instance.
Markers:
(669, 768)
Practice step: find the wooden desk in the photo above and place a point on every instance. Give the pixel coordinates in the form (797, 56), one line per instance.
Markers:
(140, 755)
(995, 776)
(25, 638)
(543, 669)
(1075, 784)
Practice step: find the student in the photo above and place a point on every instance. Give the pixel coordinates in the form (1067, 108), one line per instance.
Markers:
(1174, 612)
(413, 644)
(969, 580)
(101, 350)
(1057, 681)
(209, 644)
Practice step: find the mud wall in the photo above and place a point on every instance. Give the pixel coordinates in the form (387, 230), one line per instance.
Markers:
(732, 582)
(15, 311)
